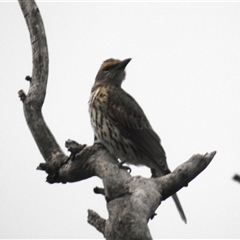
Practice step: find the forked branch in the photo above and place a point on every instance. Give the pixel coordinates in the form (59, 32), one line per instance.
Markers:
(131, 201)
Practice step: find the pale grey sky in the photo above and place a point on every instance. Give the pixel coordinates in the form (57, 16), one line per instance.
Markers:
(185, 73)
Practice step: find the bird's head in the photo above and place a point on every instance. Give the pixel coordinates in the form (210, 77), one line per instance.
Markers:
(112, 72)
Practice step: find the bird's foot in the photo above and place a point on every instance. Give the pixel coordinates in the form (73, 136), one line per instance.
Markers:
(154, 173)
(128, 169)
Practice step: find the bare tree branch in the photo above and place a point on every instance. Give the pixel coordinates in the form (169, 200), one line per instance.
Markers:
(183, 174)
(236, 177)
(131, 201)
(130, 213)
(33, 101)
(95, 220)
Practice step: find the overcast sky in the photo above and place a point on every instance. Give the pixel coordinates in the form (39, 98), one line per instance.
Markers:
(185, 73)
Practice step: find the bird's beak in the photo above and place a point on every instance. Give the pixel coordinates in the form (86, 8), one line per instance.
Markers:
(122, 64)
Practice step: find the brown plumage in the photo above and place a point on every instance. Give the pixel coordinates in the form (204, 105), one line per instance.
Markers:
(120, 124)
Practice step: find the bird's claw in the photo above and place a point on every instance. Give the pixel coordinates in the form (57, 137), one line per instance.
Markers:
(128, 169)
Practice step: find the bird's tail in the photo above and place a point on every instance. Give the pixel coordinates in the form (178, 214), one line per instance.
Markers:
(179, 207)
(158, 173)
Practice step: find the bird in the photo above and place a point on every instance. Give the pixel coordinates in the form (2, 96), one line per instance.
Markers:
(120, 124)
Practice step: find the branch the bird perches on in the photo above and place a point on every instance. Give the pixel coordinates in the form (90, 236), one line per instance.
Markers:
(131, 201)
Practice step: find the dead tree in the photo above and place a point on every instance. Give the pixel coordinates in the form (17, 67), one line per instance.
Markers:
(131, 201)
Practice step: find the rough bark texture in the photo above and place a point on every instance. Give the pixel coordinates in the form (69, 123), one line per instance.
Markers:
(34, 100)
(131, 201)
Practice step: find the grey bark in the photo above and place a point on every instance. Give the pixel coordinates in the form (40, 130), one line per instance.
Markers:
(131, 201)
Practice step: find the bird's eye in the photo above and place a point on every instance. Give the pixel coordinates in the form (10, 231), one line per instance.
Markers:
(106, 69)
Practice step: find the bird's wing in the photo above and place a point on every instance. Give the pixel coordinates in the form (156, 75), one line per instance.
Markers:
(129, 117)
